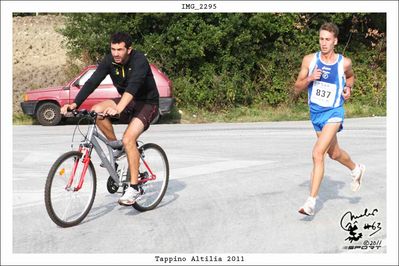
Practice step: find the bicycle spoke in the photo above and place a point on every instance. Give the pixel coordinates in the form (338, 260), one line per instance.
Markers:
(64, 215)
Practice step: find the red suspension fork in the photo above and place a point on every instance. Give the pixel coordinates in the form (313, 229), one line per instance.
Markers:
(86, 162)
(75, 166)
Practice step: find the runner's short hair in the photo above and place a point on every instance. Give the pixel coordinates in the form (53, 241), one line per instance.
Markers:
(119, 37)
(330, 27)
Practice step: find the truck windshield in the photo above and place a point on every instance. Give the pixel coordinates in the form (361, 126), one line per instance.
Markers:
(88, 74)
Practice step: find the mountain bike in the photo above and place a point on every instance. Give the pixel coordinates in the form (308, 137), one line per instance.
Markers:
(71, 182)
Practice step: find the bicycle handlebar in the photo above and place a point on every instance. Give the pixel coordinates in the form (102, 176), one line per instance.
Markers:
(92, 114)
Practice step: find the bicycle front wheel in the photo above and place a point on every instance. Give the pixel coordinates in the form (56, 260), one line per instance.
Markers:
(154, 177)
(65, 204)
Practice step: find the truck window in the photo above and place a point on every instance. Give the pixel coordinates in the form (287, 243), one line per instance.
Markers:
(88, 74)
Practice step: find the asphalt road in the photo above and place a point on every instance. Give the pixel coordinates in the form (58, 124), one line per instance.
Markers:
(234, 189)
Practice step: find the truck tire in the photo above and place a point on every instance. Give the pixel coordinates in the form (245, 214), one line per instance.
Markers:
(48, 114)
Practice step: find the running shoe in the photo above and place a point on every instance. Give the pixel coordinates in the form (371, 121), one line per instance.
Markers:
(308, 207)
(357, 177)
(129, 197)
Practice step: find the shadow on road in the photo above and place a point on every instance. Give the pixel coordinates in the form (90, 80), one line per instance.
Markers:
(97, 212)
(329, 190)
(170, 196)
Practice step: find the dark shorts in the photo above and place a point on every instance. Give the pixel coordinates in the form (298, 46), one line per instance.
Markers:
(144, 111)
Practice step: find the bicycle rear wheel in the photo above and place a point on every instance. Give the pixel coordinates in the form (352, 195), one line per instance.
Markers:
(65, 205)
(153, 177)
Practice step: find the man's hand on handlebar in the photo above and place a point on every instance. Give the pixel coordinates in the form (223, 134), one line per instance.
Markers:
(67, 108)
(111, 111)
(108, 112)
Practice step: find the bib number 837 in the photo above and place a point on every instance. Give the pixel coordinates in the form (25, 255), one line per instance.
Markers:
(323, 93)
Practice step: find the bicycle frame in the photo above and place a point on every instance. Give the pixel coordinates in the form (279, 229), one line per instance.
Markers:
(86, 149)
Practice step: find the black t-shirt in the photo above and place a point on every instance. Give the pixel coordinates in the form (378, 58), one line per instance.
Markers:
(134, 77)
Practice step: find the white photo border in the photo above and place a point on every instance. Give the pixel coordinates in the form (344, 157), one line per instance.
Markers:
(9, 7)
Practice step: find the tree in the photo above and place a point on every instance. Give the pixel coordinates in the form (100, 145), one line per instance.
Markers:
(221, 60)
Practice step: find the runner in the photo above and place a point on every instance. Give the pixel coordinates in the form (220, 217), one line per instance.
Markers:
(329, 78)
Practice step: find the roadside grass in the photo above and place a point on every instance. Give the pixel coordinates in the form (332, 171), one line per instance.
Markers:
(22, 119)
(239, 114)
(244, 114)
(360, 110)
(263, 114)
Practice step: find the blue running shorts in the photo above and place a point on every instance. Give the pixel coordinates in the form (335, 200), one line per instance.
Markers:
(335, 115)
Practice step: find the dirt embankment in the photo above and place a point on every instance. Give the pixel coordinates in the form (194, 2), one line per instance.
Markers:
(39, 59)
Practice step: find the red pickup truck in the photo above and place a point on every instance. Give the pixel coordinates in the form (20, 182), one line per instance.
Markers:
(45, 103)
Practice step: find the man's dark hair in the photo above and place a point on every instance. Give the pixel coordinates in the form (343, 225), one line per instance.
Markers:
(330, 27)
(122, 37)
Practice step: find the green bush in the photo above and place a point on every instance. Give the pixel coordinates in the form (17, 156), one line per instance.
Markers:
(219, 61)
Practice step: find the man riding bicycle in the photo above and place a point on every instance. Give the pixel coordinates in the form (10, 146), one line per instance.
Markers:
(131, 75)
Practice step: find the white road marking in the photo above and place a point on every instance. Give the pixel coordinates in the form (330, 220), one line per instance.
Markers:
(27, 199)
(209, 168)
(32, 198)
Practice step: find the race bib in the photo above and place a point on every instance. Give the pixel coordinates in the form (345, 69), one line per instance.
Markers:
(323, 93)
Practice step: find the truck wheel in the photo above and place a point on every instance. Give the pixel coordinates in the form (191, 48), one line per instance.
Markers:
(48, 114)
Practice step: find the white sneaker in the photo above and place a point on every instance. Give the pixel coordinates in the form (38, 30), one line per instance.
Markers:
(357, 177)
(308, 207)
(129, 197)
